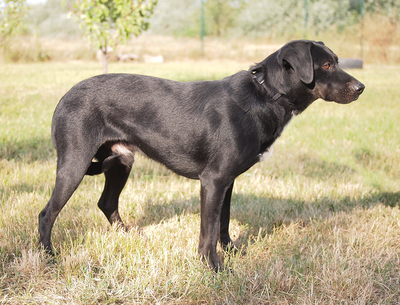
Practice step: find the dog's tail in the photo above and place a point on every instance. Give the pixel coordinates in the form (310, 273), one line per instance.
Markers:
(95, 168)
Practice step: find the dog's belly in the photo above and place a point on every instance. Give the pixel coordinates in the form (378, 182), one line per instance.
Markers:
(179, 163)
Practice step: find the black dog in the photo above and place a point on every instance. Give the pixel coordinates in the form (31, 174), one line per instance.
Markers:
(207, 130)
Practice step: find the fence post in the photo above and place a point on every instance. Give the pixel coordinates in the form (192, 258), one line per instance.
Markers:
(362, 28)
(202, 31)
(305, 18)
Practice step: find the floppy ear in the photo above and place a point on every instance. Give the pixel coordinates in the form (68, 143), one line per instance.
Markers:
(298, 56)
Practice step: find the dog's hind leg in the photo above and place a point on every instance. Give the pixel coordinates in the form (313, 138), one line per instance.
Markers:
(116, 169)
(70, 173)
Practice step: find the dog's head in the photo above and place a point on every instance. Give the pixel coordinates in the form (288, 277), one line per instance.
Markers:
(316, 67)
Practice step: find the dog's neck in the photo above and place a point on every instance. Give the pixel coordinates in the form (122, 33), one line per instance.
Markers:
(259, 78)
(291, 107)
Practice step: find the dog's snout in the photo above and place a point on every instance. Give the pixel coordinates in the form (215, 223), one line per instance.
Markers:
(358, 87)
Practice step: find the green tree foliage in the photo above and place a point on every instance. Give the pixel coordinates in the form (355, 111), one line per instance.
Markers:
(326, 13)
(389, 8)
(270, 17)
(51, 19)
(265, 17)
(184, 19)
(178, 20)
(108, 23)
(222, 15)
(274, 18)
(12, 13)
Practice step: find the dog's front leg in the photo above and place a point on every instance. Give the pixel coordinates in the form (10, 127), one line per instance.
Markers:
(224, 236)
(212, 196)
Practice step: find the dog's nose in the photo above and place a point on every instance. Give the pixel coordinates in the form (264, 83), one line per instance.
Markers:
(358, 87)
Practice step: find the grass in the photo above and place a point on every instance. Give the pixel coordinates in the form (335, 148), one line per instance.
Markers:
(317, 223)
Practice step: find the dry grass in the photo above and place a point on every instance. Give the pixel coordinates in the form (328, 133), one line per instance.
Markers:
(317, 223)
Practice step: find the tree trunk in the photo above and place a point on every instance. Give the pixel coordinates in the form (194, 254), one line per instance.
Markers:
(104, 59)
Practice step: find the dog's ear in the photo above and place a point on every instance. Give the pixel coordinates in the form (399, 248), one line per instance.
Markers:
(297, 55)
(258, 72)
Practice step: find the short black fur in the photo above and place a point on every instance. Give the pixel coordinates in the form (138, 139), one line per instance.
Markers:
(209, 130)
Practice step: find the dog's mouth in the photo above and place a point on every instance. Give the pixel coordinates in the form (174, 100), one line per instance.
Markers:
(349, 99)
(349, 94)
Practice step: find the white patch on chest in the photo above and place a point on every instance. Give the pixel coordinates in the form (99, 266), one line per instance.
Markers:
(266, 154)
(294, 113)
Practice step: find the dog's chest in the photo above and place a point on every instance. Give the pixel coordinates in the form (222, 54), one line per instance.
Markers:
(266, 154)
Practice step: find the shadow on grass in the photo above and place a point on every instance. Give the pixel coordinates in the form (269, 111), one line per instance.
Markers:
(22, 188)
(8, 191)
(28, 150)
(255, 217)
(275, 212)
(269, 213)
(315, 167)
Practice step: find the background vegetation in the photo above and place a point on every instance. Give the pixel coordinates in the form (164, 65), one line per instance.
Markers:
(317, 223)
(370, 31)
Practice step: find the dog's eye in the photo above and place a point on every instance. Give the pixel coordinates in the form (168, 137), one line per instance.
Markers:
(327, 66)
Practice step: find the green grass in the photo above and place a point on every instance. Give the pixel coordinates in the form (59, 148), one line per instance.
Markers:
(317, 223)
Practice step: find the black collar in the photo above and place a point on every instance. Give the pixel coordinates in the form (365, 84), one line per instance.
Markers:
(259, 77)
